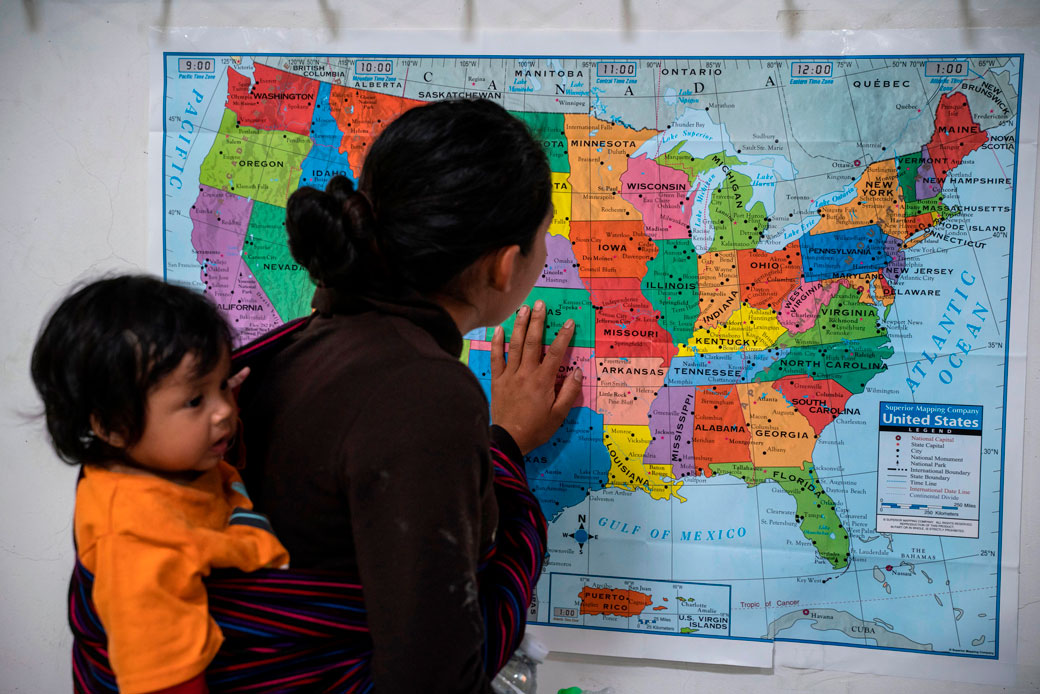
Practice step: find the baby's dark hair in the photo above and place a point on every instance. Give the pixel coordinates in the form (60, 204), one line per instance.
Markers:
(109, 343)
(443, 185)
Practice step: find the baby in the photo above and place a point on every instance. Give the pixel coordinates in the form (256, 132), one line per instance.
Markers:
(135, 379)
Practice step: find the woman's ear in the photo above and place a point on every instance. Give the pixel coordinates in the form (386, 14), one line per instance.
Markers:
(503, 265)
(112, 438)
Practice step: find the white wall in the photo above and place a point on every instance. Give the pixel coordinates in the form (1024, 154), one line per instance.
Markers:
(73, 168)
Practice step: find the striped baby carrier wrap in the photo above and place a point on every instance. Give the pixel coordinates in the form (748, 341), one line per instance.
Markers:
(305, 630)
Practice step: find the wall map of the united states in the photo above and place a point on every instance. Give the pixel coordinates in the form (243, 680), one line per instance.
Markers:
(756, 253)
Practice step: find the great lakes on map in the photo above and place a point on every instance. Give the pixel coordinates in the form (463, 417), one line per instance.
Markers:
(756, 253)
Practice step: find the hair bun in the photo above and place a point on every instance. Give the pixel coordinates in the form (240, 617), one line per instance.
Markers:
(329, 231)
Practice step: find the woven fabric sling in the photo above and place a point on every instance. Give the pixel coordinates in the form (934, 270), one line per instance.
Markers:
(300, 630)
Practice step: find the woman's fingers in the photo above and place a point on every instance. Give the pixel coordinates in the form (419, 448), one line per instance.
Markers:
(516, 338)
(570, 389)
(525, 399)
(236, 380)
(532, 353)
(498, 348)
(558, 349)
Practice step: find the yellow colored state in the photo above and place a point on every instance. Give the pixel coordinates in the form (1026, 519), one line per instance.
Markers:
(626, 446)
(748, 329)
(561, 200)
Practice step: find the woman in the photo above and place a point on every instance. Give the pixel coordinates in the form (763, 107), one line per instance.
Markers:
(368, 440)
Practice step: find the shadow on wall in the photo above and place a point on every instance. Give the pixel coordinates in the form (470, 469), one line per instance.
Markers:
(32, 15)
(790, 20)
(332, 22)
(968, 20)
(330, 16)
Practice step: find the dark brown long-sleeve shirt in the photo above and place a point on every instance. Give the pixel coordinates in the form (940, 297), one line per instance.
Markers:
(368, 447)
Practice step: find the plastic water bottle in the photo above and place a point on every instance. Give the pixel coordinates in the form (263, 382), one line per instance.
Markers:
(518, 675)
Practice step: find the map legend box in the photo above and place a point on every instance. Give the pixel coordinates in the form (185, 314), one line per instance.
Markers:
(929, 463)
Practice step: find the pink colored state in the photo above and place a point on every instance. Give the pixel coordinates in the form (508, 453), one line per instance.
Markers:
(219, 224)
(671, 426)
(574, 358)
(659, 193)
(801, 307)
(626, 387)
(580, 358)
(560, 265)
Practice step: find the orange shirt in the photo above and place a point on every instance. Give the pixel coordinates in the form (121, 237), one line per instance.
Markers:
(149, 542)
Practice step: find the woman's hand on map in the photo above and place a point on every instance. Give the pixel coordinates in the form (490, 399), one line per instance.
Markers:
(236, 381)
(525, 399)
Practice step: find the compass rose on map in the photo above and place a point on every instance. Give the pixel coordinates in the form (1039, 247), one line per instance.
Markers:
(581, 536)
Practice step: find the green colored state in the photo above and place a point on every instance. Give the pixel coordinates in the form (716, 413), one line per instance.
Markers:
(683, 161)
(549, 130)
(930, 205)
(260, 164)
(814, 508)
(266, 252)
(736, 228)
(688, 630)
(842, 318)
(670, 284)
(561, 304)
(906, 172)
(852, 363)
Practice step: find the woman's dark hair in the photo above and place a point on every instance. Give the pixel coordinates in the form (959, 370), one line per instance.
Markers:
(105, 346)
(442, 186)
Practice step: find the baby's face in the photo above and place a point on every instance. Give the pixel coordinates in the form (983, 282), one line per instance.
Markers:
(189, 419)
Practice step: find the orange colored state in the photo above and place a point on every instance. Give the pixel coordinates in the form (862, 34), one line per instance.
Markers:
(611, 249)
(272, 100)
(718, 275)
(918, 222)
(720, 434)
(597, 162)
(879, 201)
(869, 285)
(361, 115)
(613, 601)
(780, 435)
(767, 278)
(820, 402)
(956, 135)
(913, 242)
(660, 607)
